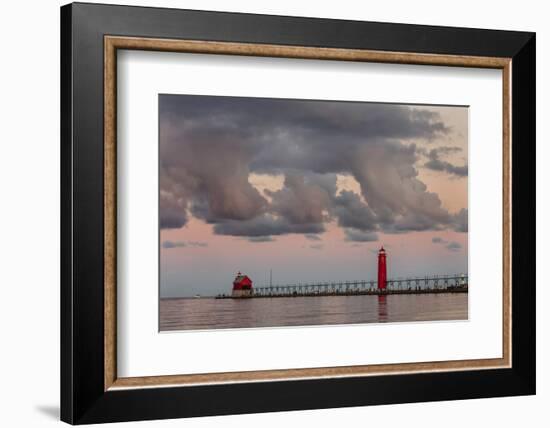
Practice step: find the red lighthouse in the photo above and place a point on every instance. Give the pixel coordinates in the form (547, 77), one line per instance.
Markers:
(242, 286)
(382, 278)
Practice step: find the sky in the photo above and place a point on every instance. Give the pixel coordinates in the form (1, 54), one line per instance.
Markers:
(309, 190)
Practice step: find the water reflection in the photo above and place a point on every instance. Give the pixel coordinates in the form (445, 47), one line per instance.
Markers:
(382, 308)
(207, 313)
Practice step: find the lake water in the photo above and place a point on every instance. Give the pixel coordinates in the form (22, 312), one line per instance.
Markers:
(209, 313)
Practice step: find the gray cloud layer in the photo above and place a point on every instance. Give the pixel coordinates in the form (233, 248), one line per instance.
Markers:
(435, 163)
(210, 145)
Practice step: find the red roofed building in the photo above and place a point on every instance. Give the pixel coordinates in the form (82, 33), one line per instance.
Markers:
(242, 286)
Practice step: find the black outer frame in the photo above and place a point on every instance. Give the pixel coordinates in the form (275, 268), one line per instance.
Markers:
(83, 399)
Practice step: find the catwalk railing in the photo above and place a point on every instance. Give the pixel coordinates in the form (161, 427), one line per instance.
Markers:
(414, 285)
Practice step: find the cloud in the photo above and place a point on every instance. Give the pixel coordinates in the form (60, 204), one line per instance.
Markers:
(305, 198)
(352, 212)
(172, 218)
(453, 246)
(173, 244)
(182, 244)
(197, 244)
(312, 237)
(261, 239)
(211, 145)
(389, 184)
(355, 235)
(414, 222)
(173, 213)
(441, 150)
(449, 245)
(265, 225)
(436, 164)
(460, 221)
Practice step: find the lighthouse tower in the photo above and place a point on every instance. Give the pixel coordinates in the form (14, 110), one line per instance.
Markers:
(382, 278)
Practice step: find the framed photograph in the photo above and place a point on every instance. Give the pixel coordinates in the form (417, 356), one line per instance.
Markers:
(308, 213)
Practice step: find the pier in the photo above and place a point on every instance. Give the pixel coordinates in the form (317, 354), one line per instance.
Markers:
(456, 283)
(429, 284)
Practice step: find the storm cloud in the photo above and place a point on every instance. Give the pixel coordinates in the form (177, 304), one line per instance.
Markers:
(435, 163)
(209, 147)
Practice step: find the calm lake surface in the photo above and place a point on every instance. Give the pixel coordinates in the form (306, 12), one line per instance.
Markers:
(210, 313)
